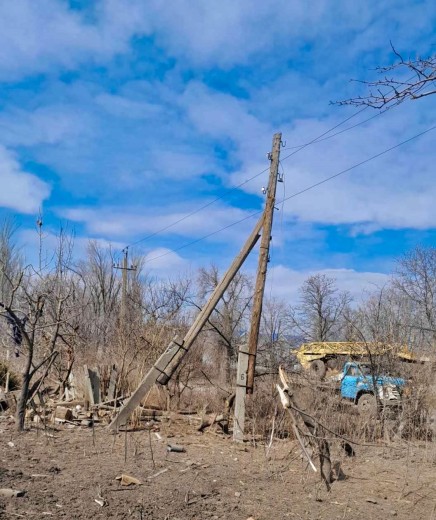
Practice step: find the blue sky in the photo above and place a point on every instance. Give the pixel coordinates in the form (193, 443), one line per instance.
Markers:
(120, 117)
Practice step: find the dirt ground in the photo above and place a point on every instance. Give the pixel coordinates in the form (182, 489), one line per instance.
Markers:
(64, 471)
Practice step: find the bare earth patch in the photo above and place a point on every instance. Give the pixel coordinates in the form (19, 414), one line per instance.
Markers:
(69, 472)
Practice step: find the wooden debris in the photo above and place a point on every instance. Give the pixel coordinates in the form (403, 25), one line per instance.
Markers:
(209, 421)
(157, 474)
(221, 419)
(316, 436)
(128, 480)
(62, 414)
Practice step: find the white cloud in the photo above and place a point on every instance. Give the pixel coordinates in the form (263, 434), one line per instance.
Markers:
(36, 36)
(396, 190)
(162, 261)
(181, 162)
(21, 191)
(285, 282)
(122, 106)
(225, 117)
(122, 222)
(50, 125)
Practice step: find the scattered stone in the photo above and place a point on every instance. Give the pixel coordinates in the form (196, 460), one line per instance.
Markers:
(176, 448)
(11, 493)
(127, 480)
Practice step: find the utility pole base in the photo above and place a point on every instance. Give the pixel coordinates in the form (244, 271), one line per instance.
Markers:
(241, 390)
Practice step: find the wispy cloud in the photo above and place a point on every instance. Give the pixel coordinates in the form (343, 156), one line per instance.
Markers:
(139, 223)
(21, 191)
(286, 283)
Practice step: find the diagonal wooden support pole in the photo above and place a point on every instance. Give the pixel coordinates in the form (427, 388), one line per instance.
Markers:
(168, 362)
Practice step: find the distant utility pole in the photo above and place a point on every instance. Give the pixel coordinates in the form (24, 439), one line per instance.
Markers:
(263, 261)
(125, 270)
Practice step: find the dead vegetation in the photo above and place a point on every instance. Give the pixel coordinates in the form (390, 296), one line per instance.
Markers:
(82, 349)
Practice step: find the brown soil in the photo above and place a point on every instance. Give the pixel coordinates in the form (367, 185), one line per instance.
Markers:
(64, 471)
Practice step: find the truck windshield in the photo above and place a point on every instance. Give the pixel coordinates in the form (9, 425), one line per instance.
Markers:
(366, 370)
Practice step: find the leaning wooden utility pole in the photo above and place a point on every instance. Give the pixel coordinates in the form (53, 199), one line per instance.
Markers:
(247, 353)
(171, 358)
(263, 261)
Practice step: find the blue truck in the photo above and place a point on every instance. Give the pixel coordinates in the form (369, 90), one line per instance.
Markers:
(367, 390)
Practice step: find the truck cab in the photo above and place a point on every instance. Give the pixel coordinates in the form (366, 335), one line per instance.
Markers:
(360, 385)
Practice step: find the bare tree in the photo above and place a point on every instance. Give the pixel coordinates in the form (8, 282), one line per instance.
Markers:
(405, 79)
(156, 314)
(102, 291)
(275, 334)
(228, 321)
(40, 306)
(319, 315)
(415, 278)
(10, 258)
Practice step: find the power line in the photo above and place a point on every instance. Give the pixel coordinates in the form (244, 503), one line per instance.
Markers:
(204, 237)
(358, 164)
(320, 138)
(196, 210)
(296, 194)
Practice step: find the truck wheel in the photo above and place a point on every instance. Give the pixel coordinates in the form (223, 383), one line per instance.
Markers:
(318, 368)
(367, 405)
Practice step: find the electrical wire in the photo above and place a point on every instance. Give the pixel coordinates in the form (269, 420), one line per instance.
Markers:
(296, 194)
(322, 137)
(196, 210)
(358, 164)
(319, 138)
